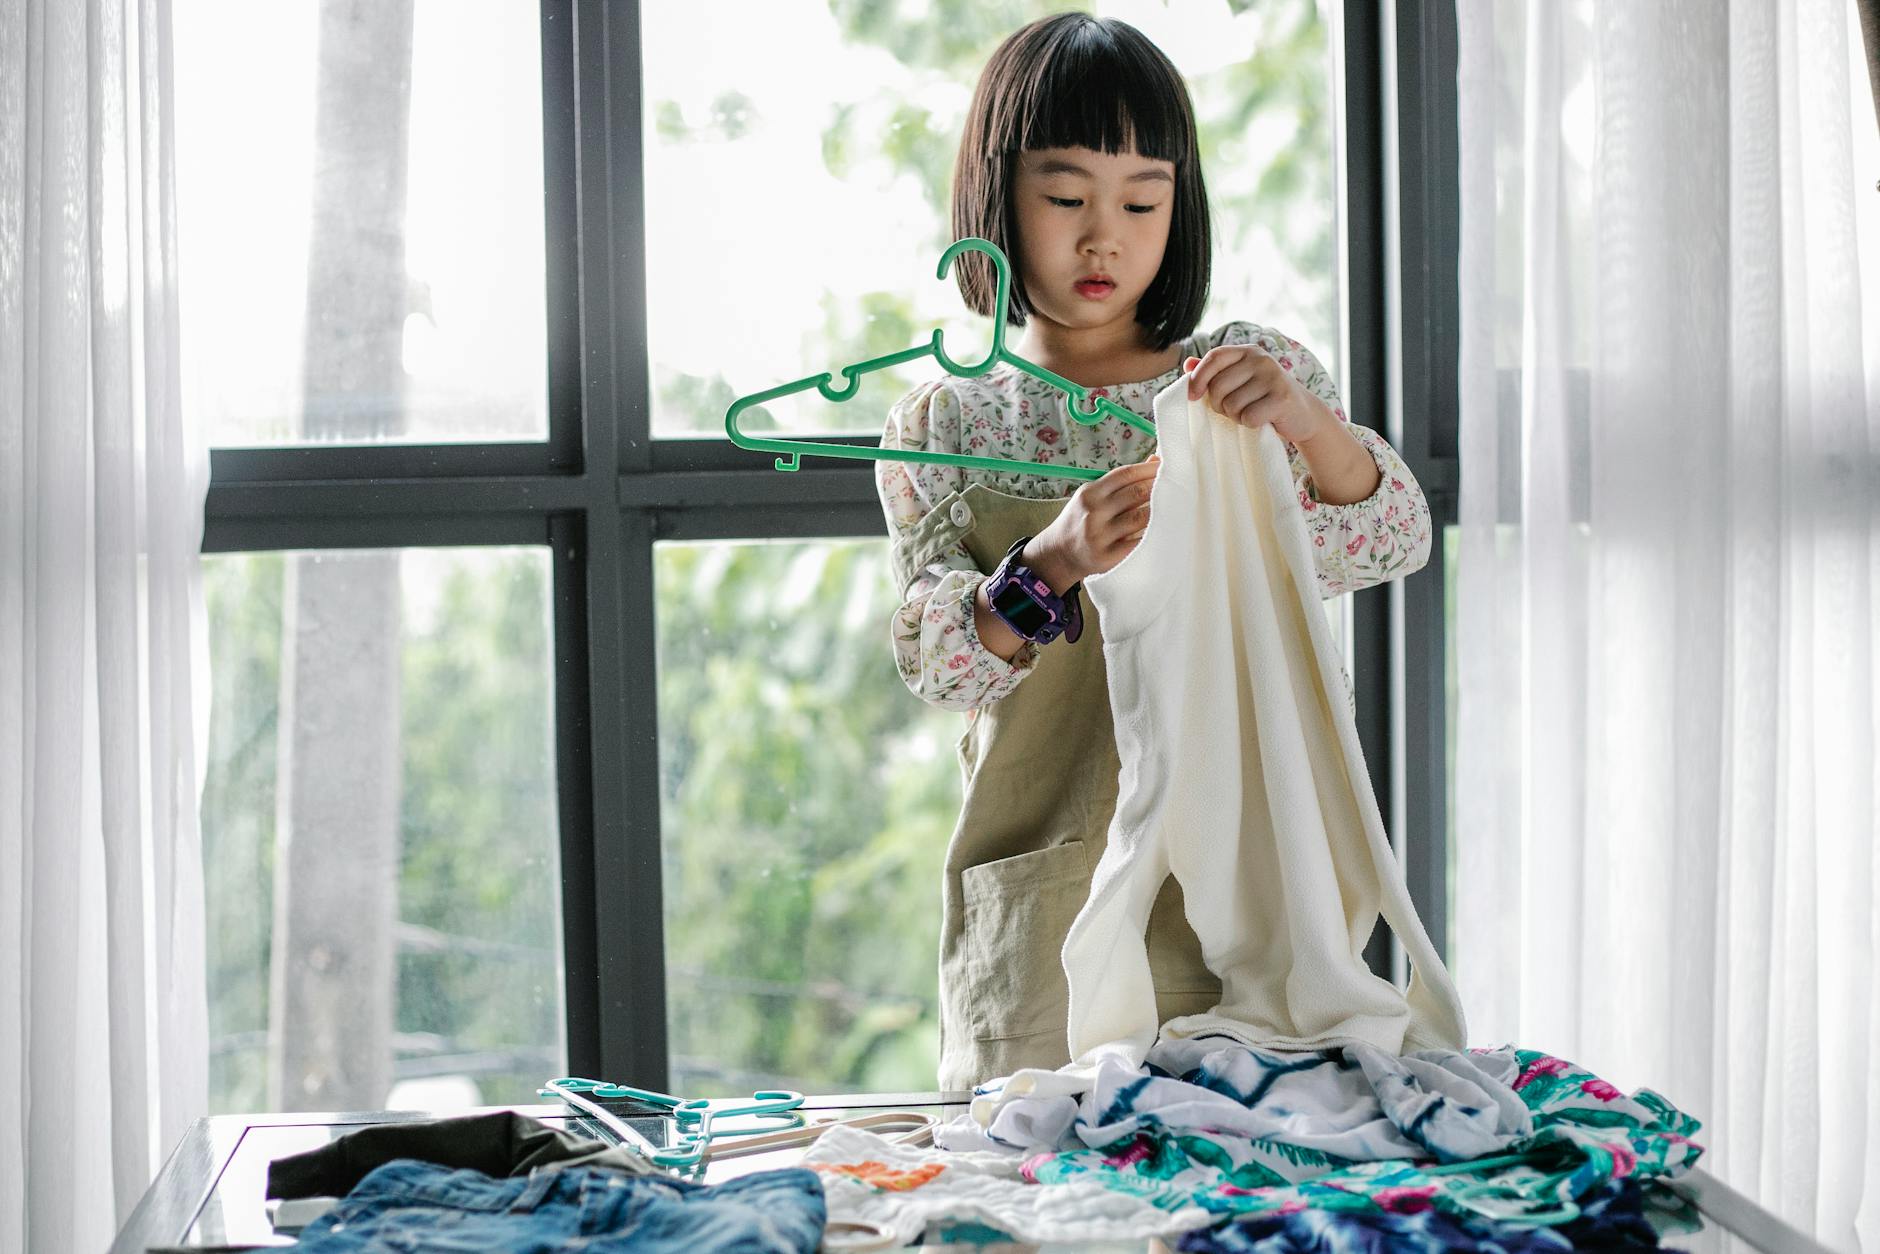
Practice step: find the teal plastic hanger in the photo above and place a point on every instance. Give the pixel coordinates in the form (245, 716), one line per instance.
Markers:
(700, 1120)
(1084, 407)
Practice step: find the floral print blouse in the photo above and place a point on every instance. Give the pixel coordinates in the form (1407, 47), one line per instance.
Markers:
(1008, 413)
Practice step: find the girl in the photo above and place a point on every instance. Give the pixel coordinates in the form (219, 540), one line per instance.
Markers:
(1079, 160)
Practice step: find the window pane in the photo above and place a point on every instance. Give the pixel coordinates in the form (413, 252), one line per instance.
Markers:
(379, 831)
(799, 217)
(807, 798)
(360, 220)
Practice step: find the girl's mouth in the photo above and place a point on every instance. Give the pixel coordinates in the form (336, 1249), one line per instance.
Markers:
(1094, 289)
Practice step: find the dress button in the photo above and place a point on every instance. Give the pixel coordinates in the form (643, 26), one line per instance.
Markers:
(961, 514)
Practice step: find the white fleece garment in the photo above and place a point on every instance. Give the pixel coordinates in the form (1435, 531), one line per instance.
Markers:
(1242, 775)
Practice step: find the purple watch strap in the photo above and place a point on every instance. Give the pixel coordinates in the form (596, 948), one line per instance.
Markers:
(1025, 602)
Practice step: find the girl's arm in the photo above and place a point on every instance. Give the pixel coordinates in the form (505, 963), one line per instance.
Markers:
(1342, 468)
(1385, 536)
(1355, 543)
(938, 649)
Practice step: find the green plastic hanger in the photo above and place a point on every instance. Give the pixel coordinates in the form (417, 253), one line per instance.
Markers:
(1084, 407)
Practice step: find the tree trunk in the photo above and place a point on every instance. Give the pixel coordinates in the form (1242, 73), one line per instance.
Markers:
(338, 793)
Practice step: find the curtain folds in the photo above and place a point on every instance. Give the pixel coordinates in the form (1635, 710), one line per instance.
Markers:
(103, 675)
(1667, 630)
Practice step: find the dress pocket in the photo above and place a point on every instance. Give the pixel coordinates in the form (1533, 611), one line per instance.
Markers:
(1017, 913)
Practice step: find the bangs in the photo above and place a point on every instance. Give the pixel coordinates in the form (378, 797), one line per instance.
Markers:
(1094, 87)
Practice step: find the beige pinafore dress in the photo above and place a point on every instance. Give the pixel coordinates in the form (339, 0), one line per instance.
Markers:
(1040, 770)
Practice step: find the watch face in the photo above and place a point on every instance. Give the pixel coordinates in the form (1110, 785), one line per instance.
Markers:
(1016, 607)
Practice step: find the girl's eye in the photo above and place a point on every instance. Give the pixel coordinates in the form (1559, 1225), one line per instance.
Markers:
(1066, 202)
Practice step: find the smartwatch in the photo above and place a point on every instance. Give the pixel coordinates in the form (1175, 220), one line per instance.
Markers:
(1026, 604)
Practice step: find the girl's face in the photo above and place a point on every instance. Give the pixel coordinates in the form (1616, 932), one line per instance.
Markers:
(1092, 228)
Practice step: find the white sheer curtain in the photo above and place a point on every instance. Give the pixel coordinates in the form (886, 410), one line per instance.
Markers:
(1666, 627)
(102, 674)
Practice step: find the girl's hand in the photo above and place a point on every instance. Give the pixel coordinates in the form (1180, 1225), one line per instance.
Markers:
(1244, 382)
(1098, 527)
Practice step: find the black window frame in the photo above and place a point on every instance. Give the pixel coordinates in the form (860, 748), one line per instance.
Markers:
(601, 491)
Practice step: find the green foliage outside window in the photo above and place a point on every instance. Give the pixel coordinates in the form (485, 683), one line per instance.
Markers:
(807, 799)
(479, 938)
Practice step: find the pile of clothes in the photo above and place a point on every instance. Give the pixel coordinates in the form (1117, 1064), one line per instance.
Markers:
(1210, 1145)
(1223, 1147)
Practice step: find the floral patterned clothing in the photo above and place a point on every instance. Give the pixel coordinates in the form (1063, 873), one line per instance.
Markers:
(1008, 413)
(1613, 1219)
(1586, 1134)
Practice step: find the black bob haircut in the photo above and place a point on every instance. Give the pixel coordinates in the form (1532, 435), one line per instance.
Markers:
(1076, 81)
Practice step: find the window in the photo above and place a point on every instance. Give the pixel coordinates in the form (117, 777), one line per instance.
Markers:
(379, 828)
(806, 800)
(348, 278)
(584, 718)
(365, 260)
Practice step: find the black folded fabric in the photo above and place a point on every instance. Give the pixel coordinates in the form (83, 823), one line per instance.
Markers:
(501, 1143)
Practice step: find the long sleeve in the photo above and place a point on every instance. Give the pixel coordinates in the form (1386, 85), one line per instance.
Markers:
(1357, 545)
(1385, 536)
(936, 639)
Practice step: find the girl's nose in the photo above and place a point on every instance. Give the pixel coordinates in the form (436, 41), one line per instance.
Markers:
(1103, 233)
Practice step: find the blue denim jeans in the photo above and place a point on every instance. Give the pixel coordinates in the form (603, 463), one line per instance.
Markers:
(413, 1206)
